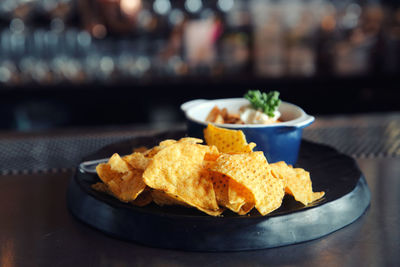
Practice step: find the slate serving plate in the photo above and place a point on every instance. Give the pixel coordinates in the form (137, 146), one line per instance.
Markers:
(347, 196)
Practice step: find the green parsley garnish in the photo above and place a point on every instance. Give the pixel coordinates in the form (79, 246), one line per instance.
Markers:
(266, 102)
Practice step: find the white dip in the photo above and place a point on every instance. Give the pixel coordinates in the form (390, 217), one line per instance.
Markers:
(251, 116)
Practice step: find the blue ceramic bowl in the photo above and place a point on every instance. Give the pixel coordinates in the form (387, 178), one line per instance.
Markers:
(279, 141)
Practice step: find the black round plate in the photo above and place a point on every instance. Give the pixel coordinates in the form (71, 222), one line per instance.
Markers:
(346, 198)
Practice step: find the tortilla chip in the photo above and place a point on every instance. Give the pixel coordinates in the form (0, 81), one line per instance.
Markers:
(252, 171)
(231, 194)
(191, 140)
(117, 164)
(140, 149)
(297, 182)
(212, 155)
(101, 187)
(227, 140)
(137, 160)
(162, 198)
(123, 181)
(166, 143)
(221, 185)
(178, 170)
(143, 198)
(240, 198)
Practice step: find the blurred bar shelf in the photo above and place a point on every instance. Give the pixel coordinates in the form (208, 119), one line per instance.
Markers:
(138, 56)
(53, 41)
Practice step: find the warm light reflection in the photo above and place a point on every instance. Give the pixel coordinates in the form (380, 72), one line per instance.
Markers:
(328, 23)
(130, 7)
(7, 253)
(99, 31)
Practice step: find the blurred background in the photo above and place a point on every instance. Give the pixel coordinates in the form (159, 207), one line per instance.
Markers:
(80, 63)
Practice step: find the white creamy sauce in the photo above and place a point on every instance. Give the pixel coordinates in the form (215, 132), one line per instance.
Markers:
(251, 116)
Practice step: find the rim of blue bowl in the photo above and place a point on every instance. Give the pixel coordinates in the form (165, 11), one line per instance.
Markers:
(301, 121)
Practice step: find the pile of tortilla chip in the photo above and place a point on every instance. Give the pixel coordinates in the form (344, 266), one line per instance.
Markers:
(224, 174)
